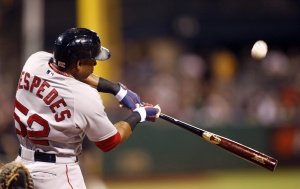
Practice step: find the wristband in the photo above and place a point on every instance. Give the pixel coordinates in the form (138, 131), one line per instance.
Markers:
(121, 94)
(142, 113)
(106, 86)
(133, 120)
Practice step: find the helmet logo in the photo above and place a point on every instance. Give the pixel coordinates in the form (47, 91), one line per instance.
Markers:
(61, 64)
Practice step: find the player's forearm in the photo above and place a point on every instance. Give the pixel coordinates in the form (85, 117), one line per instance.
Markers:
(101, 84)
(124, 130)
(126, 97)
(126, 126)
(92, 80)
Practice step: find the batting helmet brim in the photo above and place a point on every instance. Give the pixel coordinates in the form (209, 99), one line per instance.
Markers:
(104, 54)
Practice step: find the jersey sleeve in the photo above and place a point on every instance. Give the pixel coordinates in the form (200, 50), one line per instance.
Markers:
(90, 115)
(110, 143)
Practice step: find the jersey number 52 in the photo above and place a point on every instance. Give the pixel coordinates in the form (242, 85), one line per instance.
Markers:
(34, 118)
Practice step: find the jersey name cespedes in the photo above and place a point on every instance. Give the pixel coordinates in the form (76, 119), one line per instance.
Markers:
(51, 99)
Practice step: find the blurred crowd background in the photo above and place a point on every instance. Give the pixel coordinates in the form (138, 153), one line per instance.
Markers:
(191, 57)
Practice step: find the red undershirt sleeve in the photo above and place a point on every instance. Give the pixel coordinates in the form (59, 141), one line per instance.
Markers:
(110, 143)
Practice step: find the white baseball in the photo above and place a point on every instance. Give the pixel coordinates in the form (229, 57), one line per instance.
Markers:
(259, 49)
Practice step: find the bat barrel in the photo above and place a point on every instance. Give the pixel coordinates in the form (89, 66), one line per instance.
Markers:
(242, 151)
(235, 148)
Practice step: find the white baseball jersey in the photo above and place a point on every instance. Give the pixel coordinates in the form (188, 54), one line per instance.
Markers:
(54, 111)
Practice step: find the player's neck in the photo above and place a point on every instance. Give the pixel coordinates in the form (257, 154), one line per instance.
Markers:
(56, 69)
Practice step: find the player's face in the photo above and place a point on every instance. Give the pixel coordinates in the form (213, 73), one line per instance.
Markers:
(85, 68)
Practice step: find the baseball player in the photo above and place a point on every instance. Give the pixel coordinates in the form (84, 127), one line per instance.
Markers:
(55, 110)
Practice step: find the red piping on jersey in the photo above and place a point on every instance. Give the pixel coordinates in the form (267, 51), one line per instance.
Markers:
(54, 68)
(108, 144)
(68, 176)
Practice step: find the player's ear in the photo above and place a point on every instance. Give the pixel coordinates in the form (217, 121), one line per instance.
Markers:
(78, 64)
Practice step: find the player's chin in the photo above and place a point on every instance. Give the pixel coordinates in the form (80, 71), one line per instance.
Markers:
(89, 72)
(84, 76)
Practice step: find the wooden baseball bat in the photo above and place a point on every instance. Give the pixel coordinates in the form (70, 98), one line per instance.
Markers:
(237, 149)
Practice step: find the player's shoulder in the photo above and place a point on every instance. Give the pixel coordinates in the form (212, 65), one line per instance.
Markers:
(39, 56)
(83, 90)
(86, 99)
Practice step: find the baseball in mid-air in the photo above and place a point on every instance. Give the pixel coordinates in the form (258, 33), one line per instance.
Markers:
(259, 50)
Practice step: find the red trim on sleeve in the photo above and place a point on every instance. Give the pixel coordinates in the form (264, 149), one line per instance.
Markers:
(108, 144)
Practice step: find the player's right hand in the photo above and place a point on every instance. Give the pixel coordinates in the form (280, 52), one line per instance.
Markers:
(148, 112)
(127, 98)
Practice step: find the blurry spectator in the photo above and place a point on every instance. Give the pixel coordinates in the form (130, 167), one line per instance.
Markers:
(267, 110)
(239, 91)
(192, 69)
(216, 111)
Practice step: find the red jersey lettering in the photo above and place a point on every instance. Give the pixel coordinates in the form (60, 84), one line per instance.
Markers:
(26, 81)
(35, 83)
(51, 96)
(57, 105)
(42, 89)
(61, 116)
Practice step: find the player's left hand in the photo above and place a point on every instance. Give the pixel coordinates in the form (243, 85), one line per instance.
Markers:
(127, 98)
(148, 112)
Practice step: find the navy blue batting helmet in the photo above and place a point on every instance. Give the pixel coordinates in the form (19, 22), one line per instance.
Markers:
(78, 44)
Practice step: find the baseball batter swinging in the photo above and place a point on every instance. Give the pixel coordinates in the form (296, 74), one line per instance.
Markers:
(57, 104)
